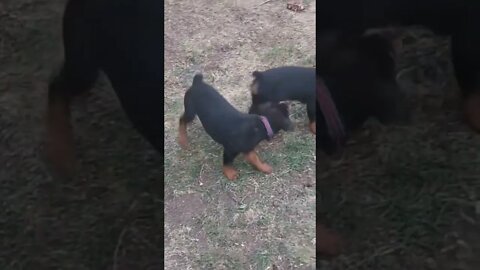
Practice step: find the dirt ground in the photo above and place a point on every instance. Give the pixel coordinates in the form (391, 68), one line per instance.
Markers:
(109, 217)
(258, 221)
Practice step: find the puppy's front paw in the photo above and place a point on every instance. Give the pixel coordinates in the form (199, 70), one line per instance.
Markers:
(183, 141)
(230, 173)
(265, 168)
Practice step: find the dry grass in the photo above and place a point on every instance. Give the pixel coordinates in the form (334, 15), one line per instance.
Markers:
(257, 221)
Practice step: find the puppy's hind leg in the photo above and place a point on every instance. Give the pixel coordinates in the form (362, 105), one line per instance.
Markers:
(186, 118)
(465, 58)
(77, 76)
(59, 143)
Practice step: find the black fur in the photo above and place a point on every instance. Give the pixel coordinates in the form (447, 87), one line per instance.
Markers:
(456, 18)
(285, 83)
(360, 75)
(348, 20)
(124, 39)
(236, 131)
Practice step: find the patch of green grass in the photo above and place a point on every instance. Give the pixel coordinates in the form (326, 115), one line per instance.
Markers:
(309, 61)
(218, 260)
(304, 255)
(295, 152)
(262, 260)
(264, 221)
(281, 55)
(300, 151)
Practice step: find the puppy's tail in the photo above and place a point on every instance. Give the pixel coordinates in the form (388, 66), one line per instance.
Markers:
(257, 74)
(198, 78)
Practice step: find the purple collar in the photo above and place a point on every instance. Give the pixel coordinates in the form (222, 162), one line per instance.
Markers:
(267, 126)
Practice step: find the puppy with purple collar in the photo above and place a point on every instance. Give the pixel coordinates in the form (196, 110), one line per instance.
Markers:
(237, 132)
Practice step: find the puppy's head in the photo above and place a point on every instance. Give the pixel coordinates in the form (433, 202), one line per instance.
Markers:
(369, 77)
(277, 114)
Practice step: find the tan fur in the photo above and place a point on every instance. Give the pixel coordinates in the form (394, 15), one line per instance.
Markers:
(59, 144)
(472, 111)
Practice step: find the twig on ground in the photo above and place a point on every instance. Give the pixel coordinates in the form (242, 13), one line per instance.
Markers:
(120, 237)
(264, 2)
(117, 247)
(200, 175)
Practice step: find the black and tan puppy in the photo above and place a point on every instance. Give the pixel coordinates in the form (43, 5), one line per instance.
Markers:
(459, 19)
(237, 132)
(123, 39)
(285, 83)
(357, 82)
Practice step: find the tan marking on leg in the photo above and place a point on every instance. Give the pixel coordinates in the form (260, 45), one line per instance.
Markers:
(59, 144)
(182, 135)
(313, 127)
(328, 242)
(472, 111)
(230, 172)
(253, 159)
